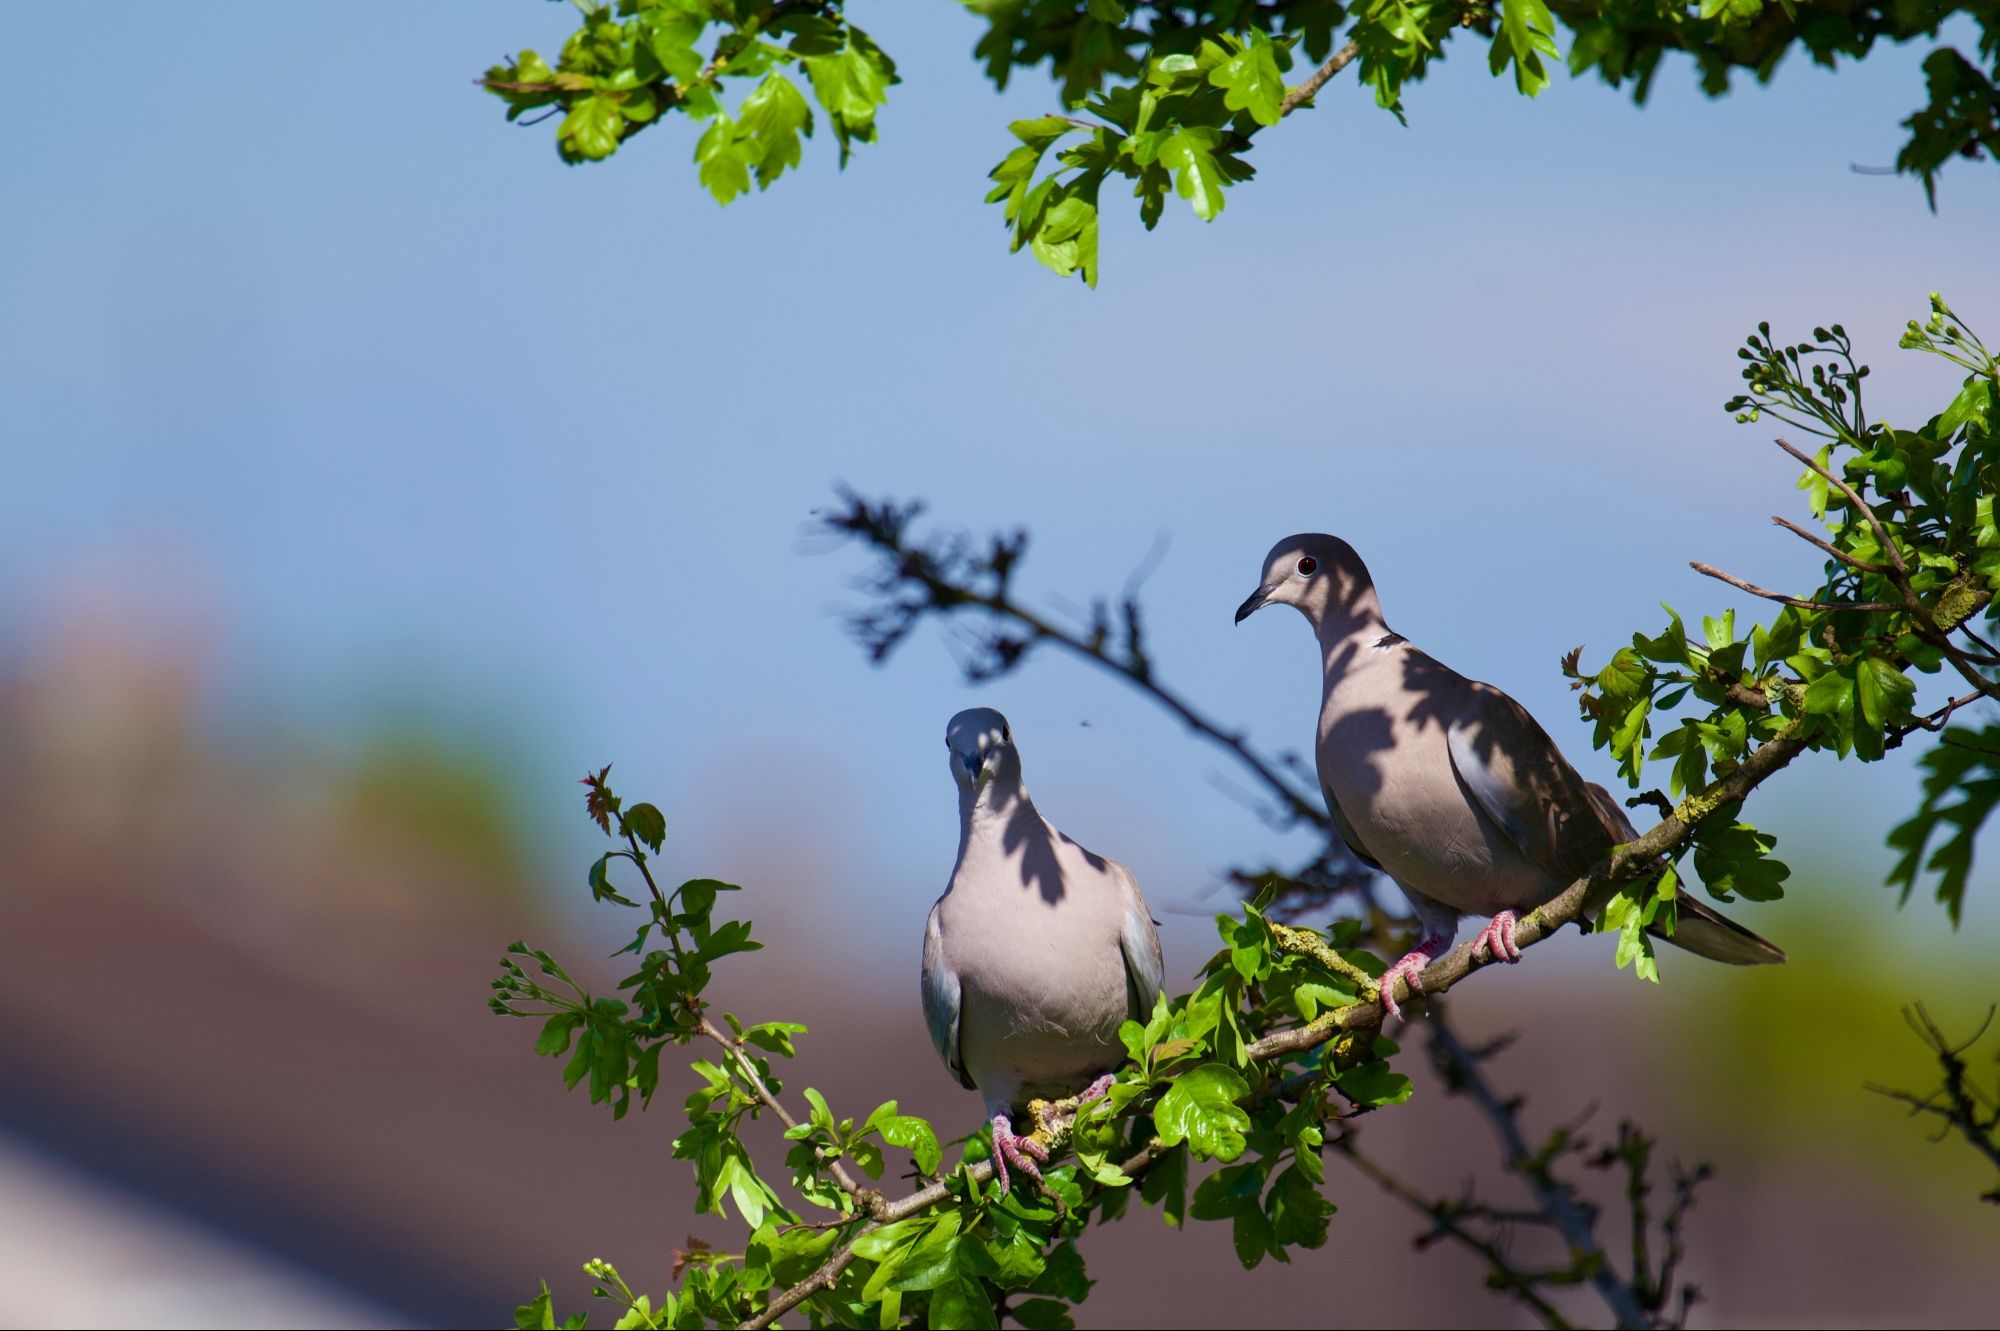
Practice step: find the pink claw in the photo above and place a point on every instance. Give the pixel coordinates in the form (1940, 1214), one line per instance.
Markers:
(1411, 970)
(1011, 1148)
(1097, 1090)
(1498, 938)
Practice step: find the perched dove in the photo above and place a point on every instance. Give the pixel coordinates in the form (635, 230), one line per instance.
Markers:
(1037, 951)
(1448, 785)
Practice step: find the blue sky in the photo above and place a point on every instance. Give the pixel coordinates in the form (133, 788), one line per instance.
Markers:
(295, 329)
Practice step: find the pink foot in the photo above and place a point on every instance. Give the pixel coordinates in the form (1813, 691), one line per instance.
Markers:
(1097, 1090)
(1498, 938)
(1010, 1148)
(1410, 970)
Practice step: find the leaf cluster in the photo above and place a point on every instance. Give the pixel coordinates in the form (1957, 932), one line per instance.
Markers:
(1170, 97)
(1905, 521)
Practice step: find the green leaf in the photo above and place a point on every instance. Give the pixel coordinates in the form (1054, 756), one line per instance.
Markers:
(773, 117)
(926, 1264)
(648, 824)
(1251, 1234)
(1883, 691)
(538, 1313)
(591, 130)
(775, 1036)
(962, 1304)
(1735, 858)
(1372, 1083)
(850, 84)
(1298, 1211)
(1977, 404)
(1625, 915)
(1961, 789)
(1625, 676)
(1830, 694)
(1200, 1108)
(600, 880)
(916, 1136)
(1251, 80)
(1525, 36)
(556, 1033)
(1190, 154)
(725, 166)
(672, 42)
(1165, 1185)
(1041, 1315)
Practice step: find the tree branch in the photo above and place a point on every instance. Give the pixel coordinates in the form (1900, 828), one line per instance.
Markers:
(1830, 548)
(1861, 506)
(1711, 571)
(1581, 899)
(866, 1197)
(888, 1213)
(1448, 1221)
(1587, 893)
(1963, 1105)
(947, 576)
(1296, 97)
(1559, 1202)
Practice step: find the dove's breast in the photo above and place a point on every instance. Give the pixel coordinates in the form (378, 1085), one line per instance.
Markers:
(1041, 976)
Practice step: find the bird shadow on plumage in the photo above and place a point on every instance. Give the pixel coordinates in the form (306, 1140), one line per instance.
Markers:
(1035, 841)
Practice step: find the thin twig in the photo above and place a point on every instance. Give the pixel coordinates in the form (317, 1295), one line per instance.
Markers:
(1558, 1200)
(1930, 721)
(1447, 1222)
(868, 1198)
(1711, 571)
(1958, 1100)
(1296, 97)
(1861, 506)
(1850, 560)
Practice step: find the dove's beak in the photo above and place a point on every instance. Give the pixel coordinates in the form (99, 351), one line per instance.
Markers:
(1257, 600)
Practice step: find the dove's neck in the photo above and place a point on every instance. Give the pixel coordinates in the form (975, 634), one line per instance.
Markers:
(1351, 620)
(989, 808)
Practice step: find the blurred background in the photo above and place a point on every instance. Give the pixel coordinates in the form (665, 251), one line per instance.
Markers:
(369, 476)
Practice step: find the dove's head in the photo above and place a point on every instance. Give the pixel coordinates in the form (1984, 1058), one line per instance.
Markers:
(981, 746)
(1319, 574)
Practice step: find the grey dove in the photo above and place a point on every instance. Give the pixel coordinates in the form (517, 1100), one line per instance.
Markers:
(1036, 953)
(1446, 784)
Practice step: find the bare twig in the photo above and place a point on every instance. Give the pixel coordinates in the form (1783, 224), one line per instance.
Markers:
(869, 1200)
(1929, 721)
(1294, 98)
(1711, 571)
(1963, 1105)
(949, 578)
(1830, 548)
(1861, 506)
(1449, 1220)
(1559, 1201)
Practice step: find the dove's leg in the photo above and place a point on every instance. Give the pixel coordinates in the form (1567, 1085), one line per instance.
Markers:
(1011, 1148)
(1411, 969)
(1097, 1090)
(1439, 924)
(1498, 938)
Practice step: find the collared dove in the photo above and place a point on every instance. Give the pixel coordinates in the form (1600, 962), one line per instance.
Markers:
(1036, 953)
(1448, 785)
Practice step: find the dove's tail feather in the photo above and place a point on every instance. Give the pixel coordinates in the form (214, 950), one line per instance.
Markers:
(1707, 932)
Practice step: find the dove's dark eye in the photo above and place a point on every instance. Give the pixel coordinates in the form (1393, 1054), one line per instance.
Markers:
(1308, 566)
